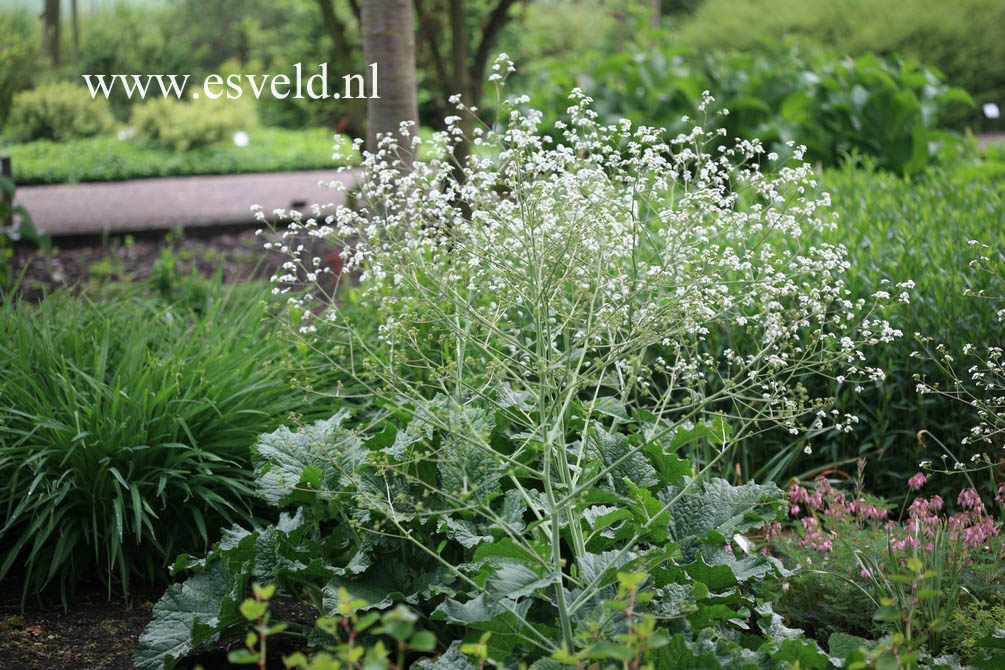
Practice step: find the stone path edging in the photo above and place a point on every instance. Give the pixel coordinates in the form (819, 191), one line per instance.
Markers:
(161, 204)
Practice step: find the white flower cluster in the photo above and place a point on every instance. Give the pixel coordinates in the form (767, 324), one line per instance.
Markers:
(611, 257)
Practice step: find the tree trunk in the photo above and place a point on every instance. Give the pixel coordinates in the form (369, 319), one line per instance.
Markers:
(76, 29)
(50, 31)
(389, 41)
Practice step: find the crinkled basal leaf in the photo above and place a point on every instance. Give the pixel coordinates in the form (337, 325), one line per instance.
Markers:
(610, 448)
(719, 509)
(671, 600)
(511, 515)
(504, 618)
(648, 515)
(463, 531)
(606, 523)
(466, 466)
(507, 548)
(610, 406)
(323, 456)
(707, 615)
(800, 653)
(843, 645)
(361, 560)
(189, 615)
(754, 566)
(514, 579)
(593, 566)
(678, 656)
(406, 437)
(428, 585)
(378, 593)
(671, 468)
(389, 582)
(714, 430)
(451, 659)
(480, 609)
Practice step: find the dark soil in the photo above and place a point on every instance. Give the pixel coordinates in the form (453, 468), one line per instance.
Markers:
(96, 632)
(88, 264)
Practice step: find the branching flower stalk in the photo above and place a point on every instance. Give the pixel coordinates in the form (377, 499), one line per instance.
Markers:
(567, 287)
(981, 386)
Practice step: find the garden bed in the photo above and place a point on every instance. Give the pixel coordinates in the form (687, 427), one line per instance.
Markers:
(94, 632)
(88, 263)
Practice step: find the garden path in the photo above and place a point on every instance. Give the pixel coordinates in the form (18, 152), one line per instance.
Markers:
(164, 203)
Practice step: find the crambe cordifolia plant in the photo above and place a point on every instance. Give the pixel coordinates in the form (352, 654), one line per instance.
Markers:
(565, 287)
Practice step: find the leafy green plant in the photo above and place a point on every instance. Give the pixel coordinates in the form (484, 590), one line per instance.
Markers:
(903, 648)
(970, 624)
(886, 108)
(336, 533)
(59, 111)
(852, 562)
(345, 648)
(24, 229)
(124, 430)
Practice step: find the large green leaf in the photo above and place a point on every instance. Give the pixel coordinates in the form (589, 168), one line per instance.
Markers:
(323, 456)
(613, 452)
(466, 466)
(678, 655)
(719, 510)
(451, 659)
(191, 614)
(515, 579)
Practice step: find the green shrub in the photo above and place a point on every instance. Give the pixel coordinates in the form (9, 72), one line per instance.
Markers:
(19, 53)
(181, 126)
(962, 39)
(58, 112)
(124, 430)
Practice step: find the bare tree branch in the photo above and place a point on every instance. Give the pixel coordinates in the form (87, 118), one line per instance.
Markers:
(497, 19)
(336, 30)
(427, 28)
(354, 6)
